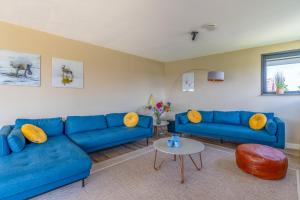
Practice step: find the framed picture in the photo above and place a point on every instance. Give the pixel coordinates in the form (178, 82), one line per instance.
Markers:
(19, 68)
(188, 80)
(67, 73)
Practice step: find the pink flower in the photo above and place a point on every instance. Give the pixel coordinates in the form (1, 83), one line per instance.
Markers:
(159, 105)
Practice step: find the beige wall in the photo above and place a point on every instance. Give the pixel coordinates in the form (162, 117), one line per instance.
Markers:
(113, 81)
(239, 91)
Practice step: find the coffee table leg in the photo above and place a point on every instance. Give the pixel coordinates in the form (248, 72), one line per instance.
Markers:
(155, 160)
(198, 168)
(174, 157)
(200, 159)
(181, 167)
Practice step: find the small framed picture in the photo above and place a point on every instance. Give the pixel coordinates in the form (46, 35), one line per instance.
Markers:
(188, 82)
(67, 73)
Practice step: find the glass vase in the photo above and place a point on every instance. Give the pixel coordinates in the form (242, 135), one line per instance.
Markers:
(158, 120)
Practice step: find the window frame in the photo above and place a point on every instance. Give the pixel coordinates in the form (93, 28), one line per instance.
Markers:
(264, 58)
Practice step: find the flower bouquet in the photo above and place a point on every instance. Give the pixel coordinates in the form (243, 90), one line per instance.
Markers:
(158, 109)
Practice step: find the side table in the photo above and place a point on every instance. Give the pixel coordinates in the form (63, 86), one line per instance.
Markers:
(160, 129)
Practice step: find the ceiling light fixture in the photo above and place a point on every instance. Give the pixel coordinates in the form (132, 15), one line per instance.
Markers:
(194, 34)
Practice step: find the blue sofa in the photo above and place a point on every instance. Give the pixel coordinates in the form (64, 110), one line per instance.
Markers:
(63, 158)
(233, 126)
(39, 168)
(92, 133)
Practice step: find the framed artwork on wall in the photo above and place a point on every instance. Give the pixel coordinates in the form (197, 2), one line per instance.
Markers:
(188, 82)
(17, 68)
(67, 73)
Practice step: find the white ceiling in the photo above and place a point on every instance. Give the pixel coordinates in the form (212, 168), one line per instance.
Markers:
(158, 29)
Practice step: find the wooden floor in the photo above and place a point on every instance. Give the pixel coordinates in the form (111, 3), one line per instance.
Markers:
(99, 156)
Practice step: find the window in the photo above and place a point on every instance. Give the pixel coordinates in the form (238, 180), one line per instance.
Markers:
(281, 66)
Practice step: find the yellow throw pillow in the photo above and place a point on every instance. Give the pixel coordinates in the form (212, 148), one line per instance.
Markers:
(131, 119)
(194, 116)
(258, 121)
(34, 133)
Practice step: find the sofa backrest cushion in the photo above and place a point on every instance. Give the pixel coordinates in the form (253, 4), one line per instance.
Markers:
(77, 124)
(228, 117)
(115, 119)
(51, 126)
(16, 140)
(4, 147)
(144, 121)
(207, 116)
(246, 115)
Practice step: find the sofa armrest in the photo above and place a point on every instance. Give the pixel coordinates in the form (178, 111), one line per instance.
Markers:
(151, 122)
(280, 134)
(6, 129)
(4, 147)
(150, 125)
(177, 120)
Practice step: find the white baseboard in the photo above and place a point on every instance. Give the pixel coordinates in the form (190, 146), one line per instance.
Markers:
(292, 146)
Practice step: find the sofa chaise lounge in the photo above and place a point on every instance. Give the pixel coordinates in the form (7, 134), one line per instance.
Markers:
(42, 167)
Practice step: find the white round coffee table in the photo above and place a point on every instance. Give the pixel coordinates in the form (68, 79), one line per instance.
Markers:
(188, 147)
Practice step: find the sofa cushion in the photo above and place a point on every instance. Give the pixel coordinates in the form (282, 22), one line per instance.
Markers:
(115, 119)
(257, 121)
(102, 138)
(41, 165)
(194, 116)
(131, 119)
(229, 117)
(16, 140)
(206, 128)
(77, 124)
(4, 147)
(245, 116)
(271, 127)
(51, 126)
(207, 116)
(34, 133)
(226, 130)
(144, 121)
(184, 119)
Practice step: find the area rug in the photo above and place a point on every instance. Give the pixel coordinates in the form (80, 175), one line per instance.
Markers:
(132, 177)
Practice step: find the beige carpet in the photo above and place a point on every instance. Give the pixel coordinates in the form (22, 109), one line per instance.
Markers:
(132, 177)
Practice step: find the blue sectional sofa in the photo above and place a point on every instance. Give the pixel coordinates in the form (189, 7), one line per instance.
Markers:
(63, 158)
(233, 126)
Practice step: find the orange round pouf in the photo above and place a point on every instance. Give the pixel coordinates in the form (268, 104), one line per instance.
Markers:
(262, 161)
